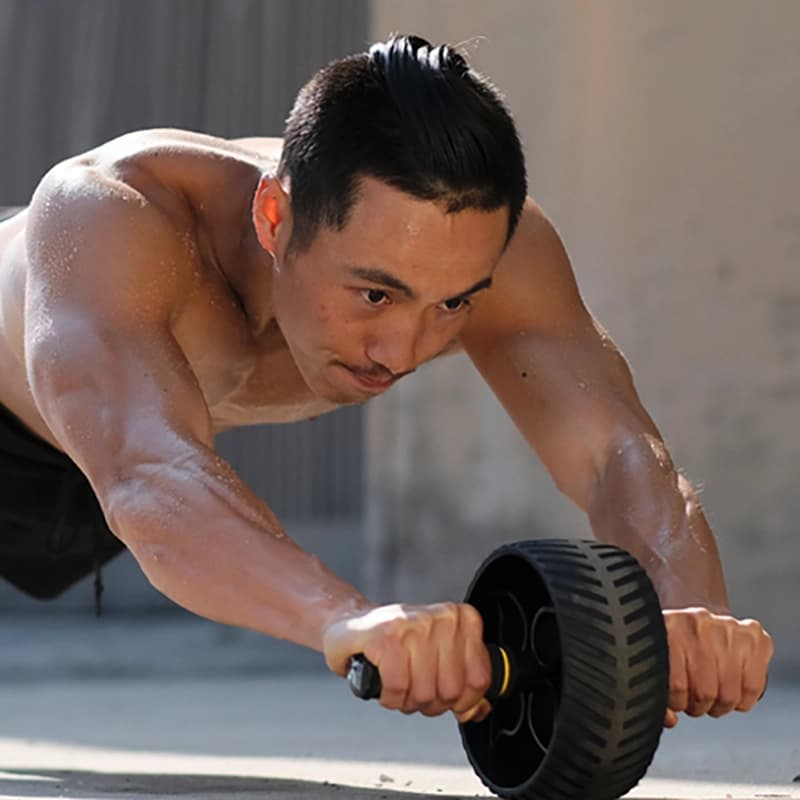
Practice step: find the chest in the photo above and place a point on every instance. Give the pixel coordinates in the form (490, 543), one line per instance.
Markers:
(245, 379)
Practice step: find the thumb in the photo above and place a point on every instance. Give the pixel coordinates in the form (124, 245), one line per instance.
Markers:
(670, 719)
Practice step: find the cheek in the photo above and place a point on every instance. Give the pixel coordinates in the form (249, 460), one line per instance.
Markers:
(326, 313)
(340, 331)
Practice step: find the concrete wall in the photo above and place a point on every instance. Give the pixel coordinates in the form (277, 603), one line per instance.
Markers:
(662, 137)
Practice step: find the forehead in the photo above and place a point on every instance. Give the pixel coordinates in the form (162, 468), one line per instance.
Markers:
(396, 231)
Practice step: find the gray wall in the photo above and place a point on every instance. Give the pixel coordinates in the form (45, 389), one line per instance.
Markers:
(78, 72)
(662, 138)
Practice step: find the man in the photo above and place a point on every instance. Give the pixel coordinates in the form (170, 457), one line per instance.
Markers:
(167, 286)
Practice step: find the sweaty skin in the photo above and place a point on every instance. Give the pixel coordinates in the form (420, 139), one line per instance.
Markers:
(149, 300)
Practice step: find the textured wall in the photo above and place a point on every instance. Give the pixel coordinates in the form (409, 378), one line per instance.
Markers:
(79, 72)
(662, 138)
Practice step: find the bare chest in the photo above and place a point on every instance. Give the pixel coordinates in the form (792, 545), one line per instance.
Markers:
(245, 379)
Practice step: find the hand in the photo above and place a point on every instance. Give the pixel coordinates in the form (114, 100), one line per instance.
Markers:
(717, 663)
(431, 658)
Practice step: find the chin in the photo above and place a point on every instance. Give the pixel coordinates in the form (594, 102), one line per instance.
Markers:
(342, 396)
(328, 388)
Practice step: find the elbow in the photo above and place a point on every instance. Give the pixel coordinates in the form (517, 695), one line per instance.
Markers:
(136, 512)
(132, 513)
(630, 459)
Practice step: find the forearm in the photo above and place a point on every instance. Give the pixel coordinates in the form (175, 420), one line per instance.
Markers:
(643, 505)
(208, 543)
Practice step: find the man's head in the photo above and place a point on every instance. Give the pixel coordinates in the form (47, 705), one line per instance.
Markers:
(405, 181)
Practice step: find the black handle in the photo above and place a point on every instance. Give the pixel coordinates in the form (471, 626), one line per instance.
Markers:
(365, 680)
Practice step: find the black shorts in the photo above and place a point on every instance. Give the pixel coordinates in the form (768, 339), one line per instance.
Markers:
(52, 529)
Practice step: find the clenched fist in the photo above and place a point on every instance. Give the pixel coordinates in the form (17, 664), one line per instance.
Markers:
(431, 658)
(717, 663)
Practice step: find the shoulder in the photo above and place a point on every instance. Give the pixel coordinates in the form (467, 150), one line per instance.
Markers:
(91, 234)
(533, 286)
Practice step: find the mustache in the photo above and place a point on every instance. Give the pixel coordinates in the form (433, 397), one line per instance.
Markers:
(378, 373)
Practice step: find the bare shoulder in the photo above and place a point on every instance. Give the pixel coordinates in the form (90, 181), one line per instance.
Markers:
(265, 146)
(100, 241)
(261, 151)
(533, 287)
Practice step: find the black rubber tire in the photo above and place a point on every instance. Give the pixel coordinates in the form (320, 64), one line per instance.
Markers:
(609, 686)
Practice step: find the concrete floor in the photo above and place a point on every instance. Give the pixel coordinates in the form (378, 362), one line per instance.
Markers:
(306, 737)
(173, 706)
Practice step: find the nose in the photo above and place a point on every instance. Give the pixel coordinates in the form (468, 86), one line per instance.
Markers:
(398, 348)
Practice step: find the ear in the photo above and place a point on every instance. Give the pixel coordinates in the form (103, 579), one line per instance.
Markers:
(271, 212)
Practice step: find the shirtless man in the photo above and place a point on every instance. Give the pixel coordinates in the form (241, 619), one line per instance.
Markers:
(167, 286)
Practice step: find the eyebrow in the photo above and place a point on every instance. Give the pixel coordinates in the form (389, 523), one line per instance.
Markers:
(383, 278)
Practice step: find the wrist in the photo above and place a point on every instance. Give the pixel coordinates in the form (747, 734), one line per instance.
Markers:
(674, 595)
(339, 610)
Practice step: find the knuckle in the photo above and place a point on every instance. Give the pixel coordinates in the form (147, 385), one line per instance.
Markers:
(477, 683)
(726, 701)
(394, 630)
(391, 701)
(471, 619)
(720, 710)
(702, 616)
(706, 698)
(423, 696)
(679, 686)
(444, 621)
(394, 688)
(746, 703)
(702, 696)
(678, 703)
(752, 688)
(449, 693)
(448, 612)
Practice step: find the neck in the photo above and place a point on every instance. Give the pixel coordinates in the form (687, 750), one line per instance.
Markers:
(244, 263)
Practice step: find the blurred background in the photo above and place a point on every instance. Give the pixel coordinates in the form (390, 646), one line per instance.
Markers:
(661, 137)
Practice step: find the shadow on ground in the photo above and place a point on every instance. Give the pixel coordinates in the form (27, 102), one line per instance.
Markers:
(98, 785)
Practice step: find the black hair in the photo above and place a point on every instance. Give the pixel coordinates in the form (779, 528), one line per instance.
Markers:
(412, 115)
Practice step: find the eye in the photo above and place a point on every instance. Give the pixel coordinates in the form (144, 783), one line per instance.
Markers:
(456, 304)
(375, 297)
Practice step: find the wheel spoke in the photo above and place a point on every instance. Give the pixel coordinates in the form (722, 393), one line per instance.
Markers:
(542, 707)
(543, 638)
(508, 718)
(512, 623)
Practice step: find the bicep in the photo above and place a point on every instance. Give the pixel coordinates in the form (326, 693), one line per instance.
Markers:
(113, 398)
(106, 373)
(556, 371)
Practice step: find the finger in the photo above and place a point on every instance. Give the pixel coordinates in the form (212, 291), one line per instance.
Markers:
(485, 709)
(451, 668)
(678, 679)
(730, 672)
(477, 713)
(393, 666)
(703, 685)
(670, 719)
(422, 659)
(754, 684)
(434, 707)
(478, 669)
(755, 673)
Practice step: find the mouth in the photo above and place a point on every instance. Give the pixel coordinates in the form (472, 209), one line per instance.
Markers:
(373, 384)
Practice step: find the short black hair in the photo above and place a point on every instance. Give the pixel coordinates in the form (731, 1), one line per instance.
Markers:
(412, 115)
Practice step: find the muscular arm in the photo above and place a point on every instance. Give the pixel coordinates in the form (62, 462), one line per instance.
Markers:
(570, 392)
(107, 277)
